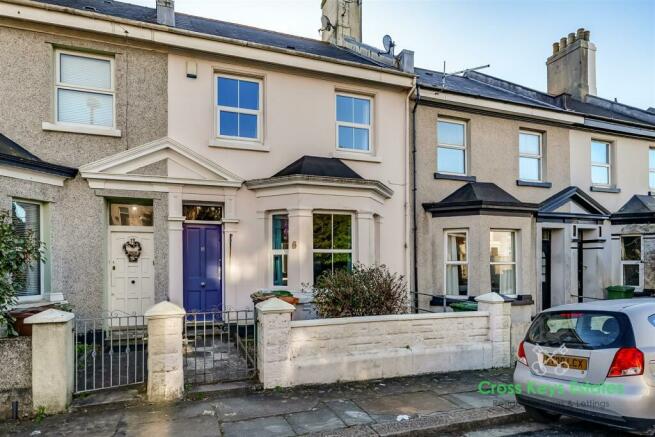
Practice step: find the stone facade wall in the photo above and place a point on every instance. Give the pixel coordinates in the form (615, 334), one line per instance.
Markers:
(16, 377)
(359, 348)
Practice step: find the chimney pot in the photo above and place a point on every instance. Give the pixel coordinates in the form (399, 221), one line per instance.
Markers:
(562, 43)
(555, 47)
(579, 34)
(571, 39)
(587, 35)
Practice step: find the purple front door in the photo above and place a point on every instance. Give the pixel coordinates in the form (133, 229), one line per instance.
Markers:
(203, 261)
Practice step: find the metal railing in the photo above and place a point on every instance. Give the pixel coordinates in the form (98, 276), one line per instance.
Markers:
(219, 346)
(110, 352)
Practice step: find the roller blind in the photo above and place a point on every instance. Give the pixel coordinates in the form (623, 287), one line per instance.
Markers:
(26, 217)
(85, 108)
(85, 72)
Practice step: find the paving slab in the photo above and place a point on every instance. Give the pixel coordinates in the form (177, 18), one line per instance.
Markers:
(349, 412)
(318, 420)
(476, 399)
(206, 426)
(250, 407)
(275, 426)
(397, 407)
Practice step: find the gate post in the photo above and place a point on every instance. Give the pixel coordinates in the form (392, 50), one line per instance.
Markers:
(52, 360)
(165, 355)
(500, 323)
(273, 331)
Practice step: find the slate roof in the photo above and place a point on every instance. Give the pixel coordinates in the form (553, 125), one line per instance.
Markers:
(575, 194)
(216, 28)
(640, 208)
(477, 84)
(477, 196)
(318, 166)
(11, 153)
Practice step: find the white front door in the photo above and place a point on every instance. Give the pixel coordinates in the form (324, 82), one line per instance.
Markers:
(131, 281)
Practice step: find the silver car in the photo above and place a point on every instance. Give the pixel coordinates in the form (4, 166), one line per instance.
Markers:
(594, 361)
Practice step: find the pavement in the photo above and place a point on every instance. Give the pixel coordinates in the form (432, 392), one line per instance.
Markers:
(419, 405)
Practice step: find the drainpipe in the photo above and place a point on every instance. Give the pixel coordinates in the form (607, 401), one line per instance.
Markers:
(414, 211)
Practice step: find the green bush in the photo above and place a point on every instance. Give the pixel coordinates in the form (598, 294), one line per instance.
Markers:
(17, 252)
(364, 291)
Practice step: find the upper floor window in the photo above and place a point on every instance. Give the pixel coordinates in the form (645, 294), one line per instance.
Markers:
(600, 163)
(502, 259)
(530, 156)
(353, 123)
(332, 243)
(451, 147)
(238, 108)
(26, 219)
(84, 90)
(651, 168)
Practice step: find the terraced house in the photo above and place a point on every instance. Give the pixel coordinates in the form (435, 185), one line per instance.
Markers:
(544, 196)
(163, 156)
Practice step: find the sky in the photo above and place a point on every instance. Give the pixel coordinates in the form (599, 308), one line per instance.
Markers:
(514, 36)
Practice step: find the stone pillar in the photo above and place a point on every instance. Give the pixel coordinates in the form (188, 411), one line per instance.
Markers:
(273, 331)
(175, 262)
(53, 360)
(500, 322)
(165, 360)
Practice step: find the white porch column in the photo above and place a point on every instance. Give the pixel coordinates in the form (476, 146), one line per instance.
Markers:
(365, 238)
(300, 248)
(175, 259)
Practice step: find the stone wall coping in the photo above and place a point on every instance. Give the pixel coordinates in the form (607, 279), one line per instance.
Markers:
(387, 318)
(163, 310)
(275, 306)
(50, 316)
(491, 298)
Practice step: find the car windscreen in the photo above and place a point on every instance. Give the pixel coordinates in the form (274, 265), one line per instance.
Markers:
(581, 330)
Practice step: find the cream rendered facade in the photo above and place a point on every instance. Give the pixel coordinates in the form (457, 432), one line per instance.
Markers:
(298, 119)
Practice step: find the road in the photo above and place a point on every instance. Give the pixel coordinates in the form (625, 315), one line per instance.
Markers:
(564, 427)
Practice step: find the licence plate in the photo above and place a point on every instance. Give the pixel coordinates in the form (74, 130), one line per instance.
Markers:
(567, 362)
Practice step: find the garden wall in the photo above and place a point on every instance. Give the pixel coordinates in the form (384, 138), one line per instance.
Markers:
(359, 348)
(16, 375)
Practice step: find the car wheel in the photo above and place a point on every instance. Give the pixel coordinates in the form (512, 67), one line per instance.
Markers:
(541, 415)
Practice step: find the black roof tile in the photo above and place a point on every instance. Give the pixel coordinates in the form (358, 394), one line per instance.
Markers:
(318, 166)
(11, 153)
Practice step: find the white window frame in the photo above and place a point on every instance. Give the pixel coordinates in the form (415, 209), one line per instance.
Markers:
(62, 85)
(639, 262)
(351, 251)
(538, 156)
(40, 296)
(368, 127)
(607, 164)
(453, 146)
(259, 112)
(275, 252)
(448, 263)
(651, 168)
(506, 263)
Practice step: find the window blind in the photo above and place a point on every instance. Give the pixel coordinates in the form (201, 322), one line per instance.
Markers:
(27, 216)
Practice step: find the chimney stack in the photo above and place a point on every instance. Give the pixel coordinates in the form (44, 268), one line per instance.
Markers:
(572, 66)
(342, 18)
(166, 12)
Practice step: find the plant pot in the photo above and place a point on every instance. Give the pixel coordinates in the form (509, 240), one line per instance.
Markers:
(289, 299)
(19, 316)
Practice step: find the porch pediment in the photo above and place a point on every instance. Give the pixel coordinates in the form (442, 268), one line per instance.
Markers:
(162, 162)
(572, 203)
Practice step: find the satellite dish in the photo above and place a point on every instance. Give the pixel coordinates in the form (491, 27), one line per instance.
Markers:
(388, 43)
(325, 23)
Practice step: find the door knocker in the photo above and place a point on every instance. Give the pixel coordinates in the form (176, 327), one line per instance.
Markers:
(132, 249)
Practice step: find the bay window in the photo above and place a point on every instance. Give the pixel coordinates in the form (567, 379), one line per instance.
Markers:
(332, 243)
(503, 261)
(456, 263)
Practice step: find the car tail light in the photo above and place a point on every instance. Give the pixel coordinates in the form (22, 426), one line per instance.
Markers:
(628, 361)
(521, 354)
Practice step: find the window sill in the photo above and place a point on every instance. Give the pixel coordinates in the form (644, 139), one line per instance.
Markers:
(537, 184)
(605, 189)
(87, 130)
(454, 177)
(238, 145)
(365, 157)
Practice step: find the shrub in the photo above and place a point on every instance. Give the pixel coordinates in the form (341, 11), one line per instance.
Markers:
(17, 252)
(364, 291)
